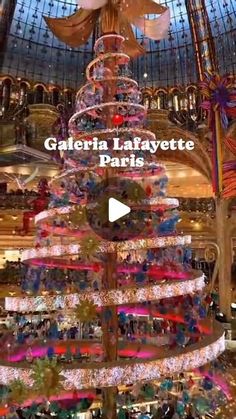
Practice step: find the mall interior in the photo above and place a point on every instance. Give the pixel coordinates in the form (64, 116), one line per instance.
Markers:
(134, 317)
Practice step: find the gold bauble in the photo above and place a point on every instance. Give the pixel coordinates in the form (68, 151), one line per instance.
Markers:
(78, 216)
(86, 311)
(89, 245)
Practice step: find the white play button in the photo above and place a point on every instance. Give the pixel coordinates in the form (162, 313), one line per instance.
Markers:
(116, 210)
(113, 211)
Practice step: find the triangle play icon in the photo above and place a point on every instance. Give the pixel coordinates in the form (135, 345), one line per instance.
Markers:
(117, 210)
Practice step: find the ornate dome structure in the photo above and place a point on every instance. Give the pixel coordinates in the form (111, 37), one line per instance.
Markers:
(169, 62)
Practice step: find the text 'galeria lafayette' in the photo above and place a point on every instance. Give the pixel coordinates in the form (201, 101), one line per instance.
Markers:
(117, 144)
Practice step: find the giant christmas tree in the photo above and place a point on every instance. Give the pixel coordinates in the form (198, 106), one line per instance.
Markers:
(120, 309)
(134, 308)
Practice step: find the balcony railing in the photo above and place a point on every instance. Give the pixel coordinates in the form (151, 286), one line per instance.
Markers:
(18, 200)
(22, 200)
(16, 93)
(183, 103)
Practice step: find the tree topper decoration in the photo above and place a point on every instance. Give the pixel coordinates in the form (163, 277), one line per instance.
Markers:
(112, 16)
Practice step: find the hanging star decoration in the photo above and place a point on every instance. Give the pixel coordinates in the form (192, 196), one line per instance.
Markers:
(112, 16)
(47, 377)
(89, 245)
(86, 311)
(18, 392)
(220, 103)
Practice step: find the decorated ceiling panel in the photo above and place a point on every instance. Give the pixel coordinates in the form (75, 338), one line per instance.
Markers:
(222, 16)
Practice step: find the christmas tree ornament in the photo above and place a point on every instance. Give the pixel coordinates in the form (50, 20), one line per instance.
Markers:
(18, 392)
(47, 377)
(89, 245)
(78, 216)
(117, 120)
(86, 311)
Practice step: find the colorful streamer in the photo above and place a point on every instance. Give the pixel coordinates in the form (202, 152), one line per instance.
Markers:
(220, 103)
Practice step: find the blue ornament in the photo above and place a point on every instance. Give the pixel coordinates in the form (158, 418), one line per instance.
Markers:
(202, 312)
(83, 285)
(180, 408)
(168, 226)
(53, 331)
(167, 384)
(24, 285)
(187, 317)
(150, 255)
(139, 278)
(145, 267)
(196, 300)
(180, 338)
(192, 326)
(207, 384)
(122, 317)
(20, 338)
(185, 397)
(192, 322)
(50, 352)
(107, 314)
(187, 256)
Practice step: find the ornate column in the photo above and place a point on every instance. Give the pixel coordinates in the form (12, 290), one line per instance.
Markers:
(110, 335)
(224, 243)
(7, 8)
(206, 63)
(202, 36)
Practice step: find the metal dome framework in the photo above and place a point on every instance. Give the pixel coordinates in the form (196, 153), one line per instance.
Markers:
(33, 52)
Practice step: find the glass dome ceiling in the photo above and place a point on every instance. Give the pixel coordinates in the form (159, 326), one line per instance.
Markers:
(33, 52)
